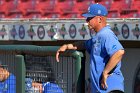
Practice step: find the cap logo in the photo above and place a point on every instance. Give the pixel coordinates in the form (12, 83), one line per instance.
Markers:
(99, 11)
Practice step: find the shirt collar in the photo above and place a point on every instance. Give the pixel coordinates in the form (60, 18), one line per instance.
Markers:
(106, 27)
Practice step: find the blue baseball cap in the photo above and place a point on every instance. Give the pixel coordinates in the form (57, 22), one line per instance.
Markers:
(96, 10)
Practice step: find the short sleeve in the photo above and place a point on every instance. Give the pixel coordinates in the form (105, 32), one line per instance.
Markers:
(112, 44)
(88, 45)
(51, 88)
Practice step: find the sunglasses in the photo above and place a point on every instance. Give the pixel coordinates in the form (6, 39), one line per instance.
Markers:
(89, 18)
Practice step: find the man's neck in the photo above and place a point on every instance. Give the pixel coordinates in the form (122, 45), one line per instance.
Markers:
(100, 27)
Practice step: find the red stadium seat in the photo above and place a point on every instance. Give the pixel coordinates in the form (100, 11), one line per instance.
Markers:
(26, 0)
(129, 14)
(52, 15)
(106, 3)
(113, 14)
(33, 15)
(131, 10)
(120, 4)
(15, 15)
(47, 7)
(23, 0)
(83, 6)
(8, 7)
(12, 9)
(7, 0)
(135, 5)
(3, 8)
(70, 15)
(66, 7)
(2, 15)
(117, 7)
(28, 7)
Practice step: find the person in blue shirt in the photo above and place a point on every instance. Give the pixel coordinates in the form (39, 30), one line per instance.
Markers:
(7, 81)
(43, 83)
(105, 52)
(35, 87)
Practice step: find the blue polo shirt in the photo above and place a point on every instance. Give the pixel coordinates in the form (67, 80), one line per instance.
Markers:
(9, 85)
(101, 47)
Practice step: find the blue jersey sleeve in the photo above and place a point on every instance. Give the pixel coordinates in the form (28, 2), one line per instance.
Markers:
(88, 45)
(112, 44)
(11, 81)
(51, 88)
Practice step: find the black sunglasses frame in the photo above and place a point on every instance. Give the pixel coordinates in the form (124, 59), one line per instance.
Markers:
(89, 18)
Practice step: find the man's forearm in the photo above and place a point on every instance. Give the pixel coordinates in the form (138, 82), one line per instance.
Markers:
(114, 60)
(80, 45)
(77, 45)
(74, 46)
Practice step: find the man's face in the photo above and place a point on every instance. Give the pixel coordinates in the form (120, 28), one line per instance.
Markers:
(95, 22)
(2, 74)
(92, 22)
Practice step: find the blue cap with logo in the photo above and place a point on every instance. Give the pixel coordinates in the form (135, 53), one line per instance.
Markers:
(96, 10)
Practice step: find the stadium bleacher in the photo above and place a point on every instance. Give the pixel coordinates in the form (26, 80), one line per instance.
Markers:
(66, 8)
(2, 9)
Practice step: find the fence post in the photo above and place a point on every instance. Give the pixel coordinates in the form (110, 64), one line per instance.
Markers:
(20, 71)
(79, 72)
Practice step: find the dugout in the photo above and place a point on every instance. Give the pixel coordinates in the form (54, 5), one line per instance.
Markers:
(39, 64)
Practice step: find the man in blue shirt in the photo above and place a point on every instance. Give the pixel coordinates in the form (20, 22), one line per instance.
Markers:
(35, 87)
(105, 53)
(7, 81)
